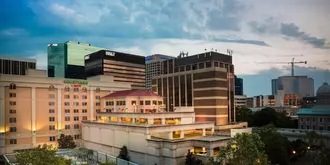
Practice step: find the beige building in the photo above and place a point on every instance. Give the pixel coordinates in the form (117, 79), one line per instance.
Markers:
(35, 109)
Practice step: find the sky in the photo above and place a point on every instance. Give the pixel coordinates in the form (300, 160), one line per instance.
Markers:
(264, 34)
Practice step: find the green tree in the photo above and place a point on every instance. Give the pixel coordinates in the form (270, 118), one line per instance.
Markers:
(245, 115)
(264, 117)
(322, 157)
(276, 146)
(123, 154)
(41, 155)
(247, 149)
(66, 141)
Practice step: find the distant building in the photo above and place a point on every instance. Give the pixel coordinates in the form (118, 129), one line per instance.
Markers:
(308, 102)
(318, 116)
(123, 67)
(238, 86)
(154, 67)
(15, 65)
(260, 101)
(297, 85)
(66, 60)
(240, 100)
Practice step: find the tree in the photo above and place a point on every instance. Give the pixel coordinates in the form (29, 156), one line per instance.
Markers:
(276, 146)
(41, 155)
(247, 149)
(192, 160)
(245, 115)
(322, 157)
(269, 116)
(66, 141)
(313, 138)
(123, 154)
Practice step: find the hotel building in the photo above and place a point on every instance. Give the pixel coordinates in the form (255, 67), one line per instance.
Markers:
(122, 66)
(154, 67)
(204, 81)
(36, 109)
(15, 65)
(66, 60)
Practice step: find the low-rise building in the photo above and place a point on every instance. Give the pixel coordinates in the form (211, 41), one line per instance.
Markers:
(240, 101)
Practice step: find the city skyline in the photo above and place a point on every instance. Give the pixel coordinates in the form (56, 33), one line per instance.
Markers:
(256, 31)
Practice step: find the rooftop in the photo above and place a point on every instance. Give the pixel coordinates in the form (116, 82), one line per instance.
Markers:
(13, 58)
(133, 92)
(316, 110)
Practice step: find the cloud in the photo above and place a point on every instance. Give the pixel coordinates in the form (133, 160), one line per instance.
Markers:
(41, 58)
(13, 32)
(292, 30)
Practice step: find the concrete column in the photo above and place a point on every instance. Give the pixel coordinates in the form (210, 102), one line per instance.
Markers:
(150, 121)
(170, 135)
(210, 152)
(91, 103)
(163, 121)
(182, 134)
(2, 120)
(33, 124)
(119, 119)
(212, 130)
(203, 132)
(133, 119)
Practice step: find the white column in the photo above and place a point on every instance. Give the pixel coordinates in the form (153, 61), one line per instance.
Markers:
(59, 110)
(114, 105)
(91, 103)
(151, 121)
(2, 120)
(163, 121)
(182, 134)
(170, 135)
(203, 132)
(212, 130)
(33, 104)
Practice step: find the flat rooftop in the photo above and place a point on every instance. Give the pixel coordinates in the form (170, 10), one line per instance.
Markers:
(22, 59)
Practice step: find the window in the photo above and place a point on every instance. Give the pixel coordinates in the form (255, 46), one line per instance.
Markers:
(52, 138)
(159, 102)
(51, 110)
(76, 126)
(76, 97)
(133, 102)
(307, 126)
(13, 141)
(84, 89)
(84, 118)
(76, 136)
(313, 119)
(321, 120)
(84, 103)
(221, 65)
(66, 96)
(201, 65)
(208, 64)
(302, 127)
(321, 128)
(12, 111)
(98, 110)
(67, 126)
(12, 102)
(76, 118)
(141, 102)
(109, 103)
(216, 64)
(148, 102)
(76, 103)
(154, 102)
(12, 129)
(75, 89)
(12, 120)
(51, 127)
(313, 127)
(12, 94)
(12, 86)
(51, 96)
(97, 104)
(51, 88)
(84, 97)
(307, 119)
(76, 111)
(84, 110)
(97, 90)
(67, 110)
(328, 128)
(51, 103)
(97, 97)
(301, 119)
(67, 118)
(51, 119)
(67, 89)
(66, 103)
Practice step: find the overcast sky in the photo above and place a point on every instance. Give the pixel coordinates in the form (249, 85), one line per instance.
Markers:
(256, 30)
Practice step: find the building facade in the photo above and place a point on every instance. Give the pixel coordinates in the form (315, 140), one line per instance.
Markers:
(298, 85)
(204, 81)
(154, 67)
(240, 101)
(15, 65)
(122, 66)
(318, 116)
(260, 101)
(239, 86)
(35, 109)
(66, 60)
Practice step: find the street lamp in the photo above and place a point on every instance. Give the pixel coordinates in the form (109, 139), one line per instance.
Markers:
(294, 152)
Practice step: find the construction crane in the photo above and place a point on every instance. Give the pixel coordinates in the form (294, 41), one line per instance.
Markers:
(292, 64)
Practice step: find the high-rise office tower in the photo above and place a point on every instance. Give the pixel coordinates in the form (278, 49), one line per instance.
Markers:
(66, 60)
(299, 85)
(204, 81)
(238, 86)
(15, 65)
(154, 67)
(123, 67)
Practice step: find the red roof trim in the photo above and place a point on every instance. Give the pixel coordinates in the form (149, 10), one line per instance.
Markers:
(133, 92)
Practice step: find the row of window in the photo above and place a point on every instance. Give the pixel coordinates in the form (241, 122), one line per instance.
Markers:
(12, 111)
(147, 102)
(66, 89)
(50, 127)
(52, 96)
(76, 103)
(75, 118)
(314, 127)
(51, 139)
(314, 119)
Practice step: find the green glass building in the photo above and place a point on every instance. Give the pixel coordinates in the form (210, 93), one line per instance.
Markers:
(66, 60)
